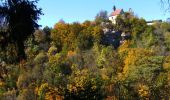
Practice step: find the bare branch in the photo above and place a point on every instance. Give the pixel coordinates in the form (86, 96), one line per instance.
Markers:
(165, 4)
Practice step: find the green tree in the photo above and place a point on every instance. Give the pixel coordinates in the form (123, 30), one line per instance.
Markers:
(47, 30)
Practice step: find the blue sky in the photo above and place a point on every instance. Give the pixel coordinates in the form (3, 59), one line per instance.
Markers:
(81, 10)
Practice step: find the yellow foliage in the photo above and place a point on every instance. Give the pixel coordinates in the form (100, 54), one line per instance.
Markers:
(71, 53)
(86, 24)
(52, 51)
(61, 32)
(41, 88)
(96, 31)
(166, 64)
(60, 25)
(104, 74)
(2, 84)
(79, 81)
(49, 92)
(57, 58)
(143, 90)
(133, 56)
(124, 48)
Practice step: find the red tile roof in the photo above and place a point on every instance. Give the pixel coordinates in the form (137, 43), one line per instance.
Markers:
(116, 12)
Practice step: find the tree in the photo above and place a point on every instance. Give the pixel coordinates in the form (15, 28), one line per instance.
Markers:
(21, 20)
(143, 71)
(101, 17)
(59, 34)
(39, 36)
(47, 30)
(166, 5)
(114, 8)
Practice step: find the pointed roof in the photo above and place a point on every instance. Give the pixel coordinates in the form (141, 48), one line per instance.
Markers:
(116, 12)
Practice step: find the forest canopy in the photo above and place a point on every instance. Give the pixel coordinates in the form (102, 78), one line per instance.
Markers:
(92, 60)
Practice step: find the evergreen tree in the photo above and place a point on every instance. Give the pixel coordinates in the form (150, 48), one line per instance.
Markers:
(20, 17)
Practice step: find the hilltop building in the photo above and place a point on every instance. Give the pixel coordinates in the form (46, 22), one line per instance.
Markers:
(111, 36)
(153, 22)
(114, 15)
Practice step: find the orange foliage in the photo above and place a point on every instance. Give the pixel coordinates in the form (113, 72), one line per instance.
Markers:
(71, 53)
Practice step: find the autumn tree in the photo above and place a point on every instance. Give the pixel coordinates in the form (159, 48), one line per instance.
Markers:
(59, 34)
(143, 70)
(21, 20)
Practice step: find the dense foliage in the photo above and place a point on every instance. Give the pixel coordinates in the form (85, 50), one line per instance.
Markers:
(71, 62)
